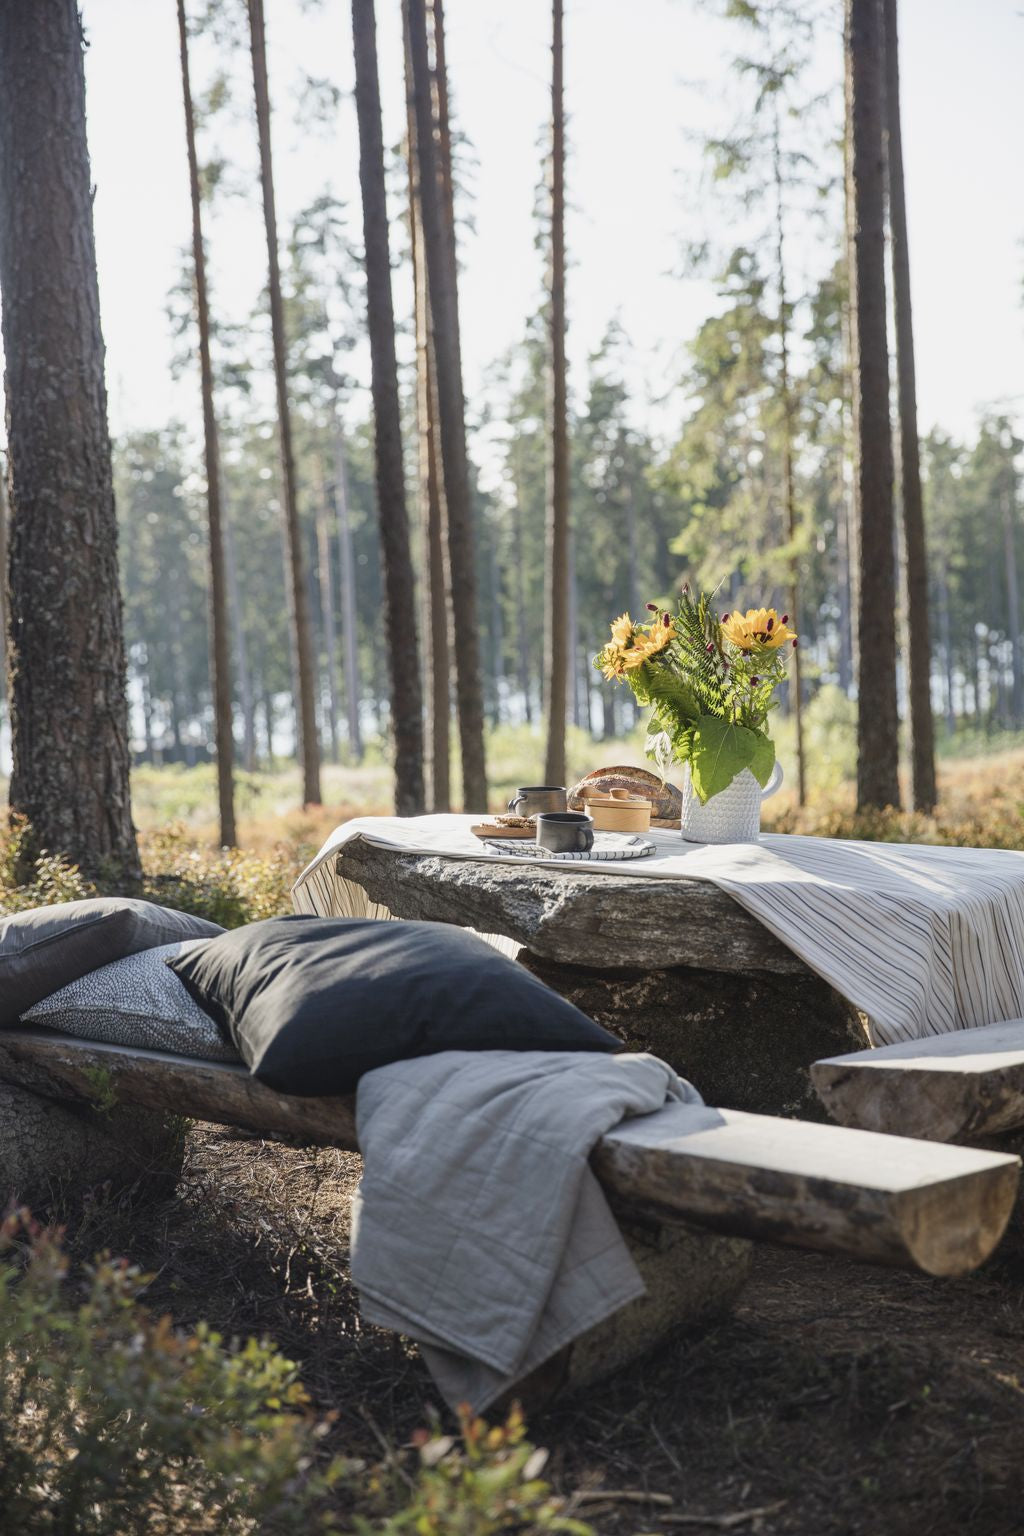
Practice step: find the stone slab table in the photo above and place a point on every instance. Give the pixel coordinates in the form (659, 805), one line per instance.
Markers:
(672, 966)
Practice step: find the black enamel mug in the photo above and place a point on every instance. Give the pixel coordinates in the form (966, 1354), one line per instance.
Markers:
(534, 798)
(565, 831)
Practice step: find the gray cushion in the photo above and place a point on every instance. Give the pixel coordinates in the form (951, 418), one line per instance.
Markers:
(139, 1002)
(48, 947)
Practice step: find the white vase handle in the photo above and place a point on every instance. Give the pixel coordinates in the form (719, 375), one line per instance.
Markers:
(774, 782)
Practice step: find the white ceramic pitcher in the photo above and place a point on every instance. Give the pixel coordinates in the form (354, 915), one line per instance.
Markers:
(731, 816)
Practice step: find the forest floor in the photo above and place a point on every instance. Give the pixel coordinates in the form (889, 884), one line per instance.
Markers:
(837, 1399)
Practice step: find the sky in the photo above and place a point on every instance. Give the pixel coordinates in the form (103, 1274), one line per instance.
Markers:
(643, 79)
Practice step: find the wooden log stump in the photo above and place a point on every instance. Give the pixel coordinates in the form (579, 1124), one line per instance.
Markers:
(959, 1086)
(692, 1278)
(879, 1199)
(52, 1153)
(746, 1042)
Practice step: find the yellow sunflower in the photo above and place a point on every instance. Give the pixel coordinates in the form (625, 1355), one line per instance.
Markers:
(633, 644)
(657, 635)
(759, 629)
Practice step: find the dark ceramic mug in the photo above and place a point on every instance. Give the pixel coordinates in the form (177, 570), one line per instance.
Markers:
(565, 831)
(535, 798)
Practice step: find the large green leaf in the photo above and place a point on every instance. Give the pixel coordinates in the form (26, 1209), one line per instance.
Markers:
(763, 760)
(719, 752)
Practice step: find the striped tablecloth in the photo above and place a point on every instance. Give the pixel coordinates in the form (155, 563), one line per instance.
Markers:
(921, 939)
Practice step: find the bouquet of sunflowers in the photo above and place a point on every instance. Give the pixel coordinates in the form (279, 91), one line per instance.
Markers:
(710, 683)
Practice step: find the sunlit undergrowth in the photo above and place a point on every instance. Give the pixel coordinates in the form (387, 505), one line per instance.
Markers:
(114, 1420)
(229, 886)
(981, 805)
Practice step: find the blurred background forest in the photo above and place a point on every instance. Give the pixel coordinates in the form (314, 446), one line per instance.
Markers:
(727, 456)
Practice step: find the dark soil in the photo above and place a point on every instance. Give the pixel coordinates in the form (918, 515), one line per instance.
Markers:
(836, 1399)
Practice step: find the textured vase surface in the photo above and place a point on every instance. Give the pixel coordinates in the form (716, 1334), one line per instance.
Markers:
(732, 816)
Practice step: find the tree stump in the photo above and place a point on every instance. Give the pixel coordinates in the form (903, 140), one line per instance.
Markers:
(53, 1153)
(692, 1278)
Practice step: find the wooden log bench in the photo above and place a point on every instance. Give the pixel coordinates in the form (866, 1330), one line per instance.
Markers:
(690, 976)
(692, 1185)
(963, 1086)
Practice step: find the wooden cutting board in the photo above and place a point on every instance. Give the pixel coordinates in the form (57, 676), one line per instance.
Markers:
(495, 831)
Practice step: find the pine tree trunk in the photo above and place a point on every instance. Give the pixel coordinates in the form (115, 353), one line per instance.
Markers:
(4, 601)
(245, 689)
(268, 726)
(877, 714)
(69, 715)
(443, 292)
(919, 659)
(788, 483)
(572, 625)
(349, 612)
(1012, 598)
(325, 576)
(946, 637)
(400, 592)
(298, 596)
(437, 658)
(556, 598)
(522, 626)
(220, 646)
(844, 542)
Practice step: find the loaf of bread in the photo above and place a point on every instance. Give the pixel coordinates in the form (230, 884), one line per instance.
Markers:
(666, 801)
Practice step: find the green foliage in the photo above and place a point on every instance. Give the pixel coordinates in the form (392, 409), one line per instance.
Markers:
(720, 749)
(228, 886)
(225, 885)
(487, 1484)
(113, 1420)
(50, 879)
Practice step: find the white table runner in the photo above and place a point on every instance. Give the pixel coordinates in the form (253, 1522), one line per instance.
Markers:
(921, 939)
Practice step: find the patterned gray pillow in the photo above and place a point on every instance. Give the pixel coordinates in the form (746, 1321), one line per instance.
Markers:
(137, 1001)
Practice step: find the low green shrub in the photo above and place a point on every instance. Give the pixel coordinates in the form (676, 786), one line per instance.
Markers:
(112, 1420)
(486, 1482)
(226, 885)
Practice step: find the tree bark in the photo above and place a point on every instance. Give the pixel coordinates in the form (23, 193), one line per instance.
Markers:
(556, 605)
(1012, 595)
(69, 714)
(347, 572)
(220, 643)
(399, 587)
(522, 625)
(919, 659)
(443, 291)
(325, 576)
(437, 658)
(245, 689)
(877, 713)
(788, 481)
(4, 600)
(298, 596)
